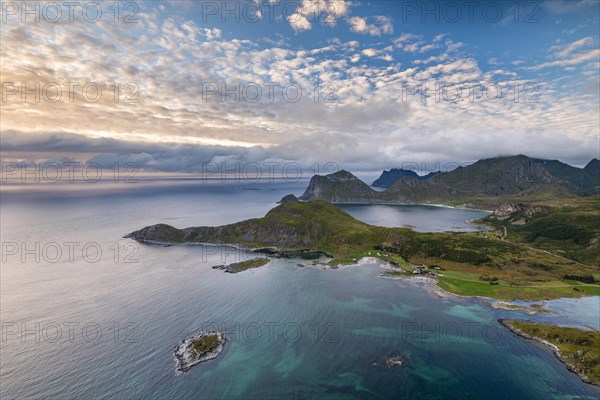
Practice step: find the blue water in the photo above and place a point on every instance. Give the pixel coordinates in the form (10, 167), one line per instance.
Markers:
(109, 317)
(582, 312)
(438, 219)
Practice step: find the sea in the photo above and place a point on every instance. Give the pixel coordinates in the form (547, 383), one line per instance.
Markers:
(86, 314)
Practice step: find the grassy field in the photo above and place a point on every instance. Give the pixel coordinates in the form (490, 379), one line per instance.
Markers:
(468, 284)
(206, 344)
(580, 349)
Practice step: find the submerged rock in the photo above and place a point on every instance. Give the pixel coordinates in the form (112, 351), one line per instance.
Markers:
(395, 361)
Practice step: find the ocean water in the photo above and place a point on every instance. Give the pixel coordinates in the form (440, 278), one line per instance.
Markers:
(88, 315)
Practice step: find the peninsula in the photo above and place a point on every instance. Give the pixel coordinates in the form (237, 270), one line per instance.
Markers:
(474, 264)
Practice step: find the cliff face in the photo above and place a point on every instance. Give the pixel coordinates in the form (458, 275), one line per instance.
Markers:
(339, 187)
(508, 209)
(592, 170)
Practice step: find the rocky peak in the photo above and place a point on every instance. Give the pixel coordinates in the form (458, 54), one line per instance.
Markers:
(290, 198)
(509, 210)
(340, 186)
(593, 167)
(341, 176)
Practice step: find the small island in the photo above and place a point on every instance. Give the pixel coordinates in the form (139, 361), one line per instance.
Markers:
(577, 348)
(243, 265)
(194, 350)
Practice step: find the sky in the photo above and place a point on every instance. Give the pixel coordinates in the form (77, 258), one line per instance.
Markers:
(174, 86)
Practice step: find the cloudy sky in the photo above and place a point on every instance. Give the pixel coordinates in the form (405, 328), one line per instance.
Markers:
(367, 85)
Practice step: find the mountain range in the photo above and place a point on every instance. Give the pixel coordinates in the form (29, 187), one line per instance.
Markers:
(493, 178)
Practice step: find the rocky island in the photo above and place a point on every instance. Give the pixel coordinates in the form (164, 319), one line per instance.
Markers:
(243, 265)
(194, 350)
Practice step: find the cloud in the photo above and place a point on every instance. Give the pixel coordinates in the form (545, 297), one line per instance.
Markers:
(567, 6)
(567, 50)
(432, 59)
(416, 44)
(369, 52)
(574, 60)
(326, 12)
(382, 25)
(357, 115)
(299, 22)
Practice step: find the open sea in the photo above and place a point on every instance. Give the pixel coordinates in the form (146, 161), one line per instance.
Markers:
(88, 315)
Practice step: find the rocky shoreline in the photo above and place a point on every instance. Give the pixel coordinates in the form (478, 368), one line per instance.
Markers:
(502, 305)
(187, 355)
(555, 350)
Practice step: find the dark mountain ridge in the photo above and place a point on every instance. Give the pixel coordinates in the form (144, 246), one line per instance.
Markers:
(488, 178)
(388, 178)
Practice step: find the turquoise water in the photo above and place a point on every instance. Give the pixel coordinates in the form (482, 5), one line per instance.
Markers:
(294, 333)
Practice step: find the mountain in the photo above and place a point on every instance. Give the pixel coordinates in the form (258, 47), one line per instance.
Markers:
(339, 187)
(491, 178)
(593, 167)
(388, 178)
(593, 171)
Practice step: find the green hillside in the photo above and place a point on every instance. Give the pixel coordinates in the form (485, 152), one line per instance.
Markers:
(472, 264)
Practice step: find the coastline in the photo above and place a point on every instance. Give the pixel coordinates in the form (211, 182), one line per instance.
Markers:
(555, 350)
